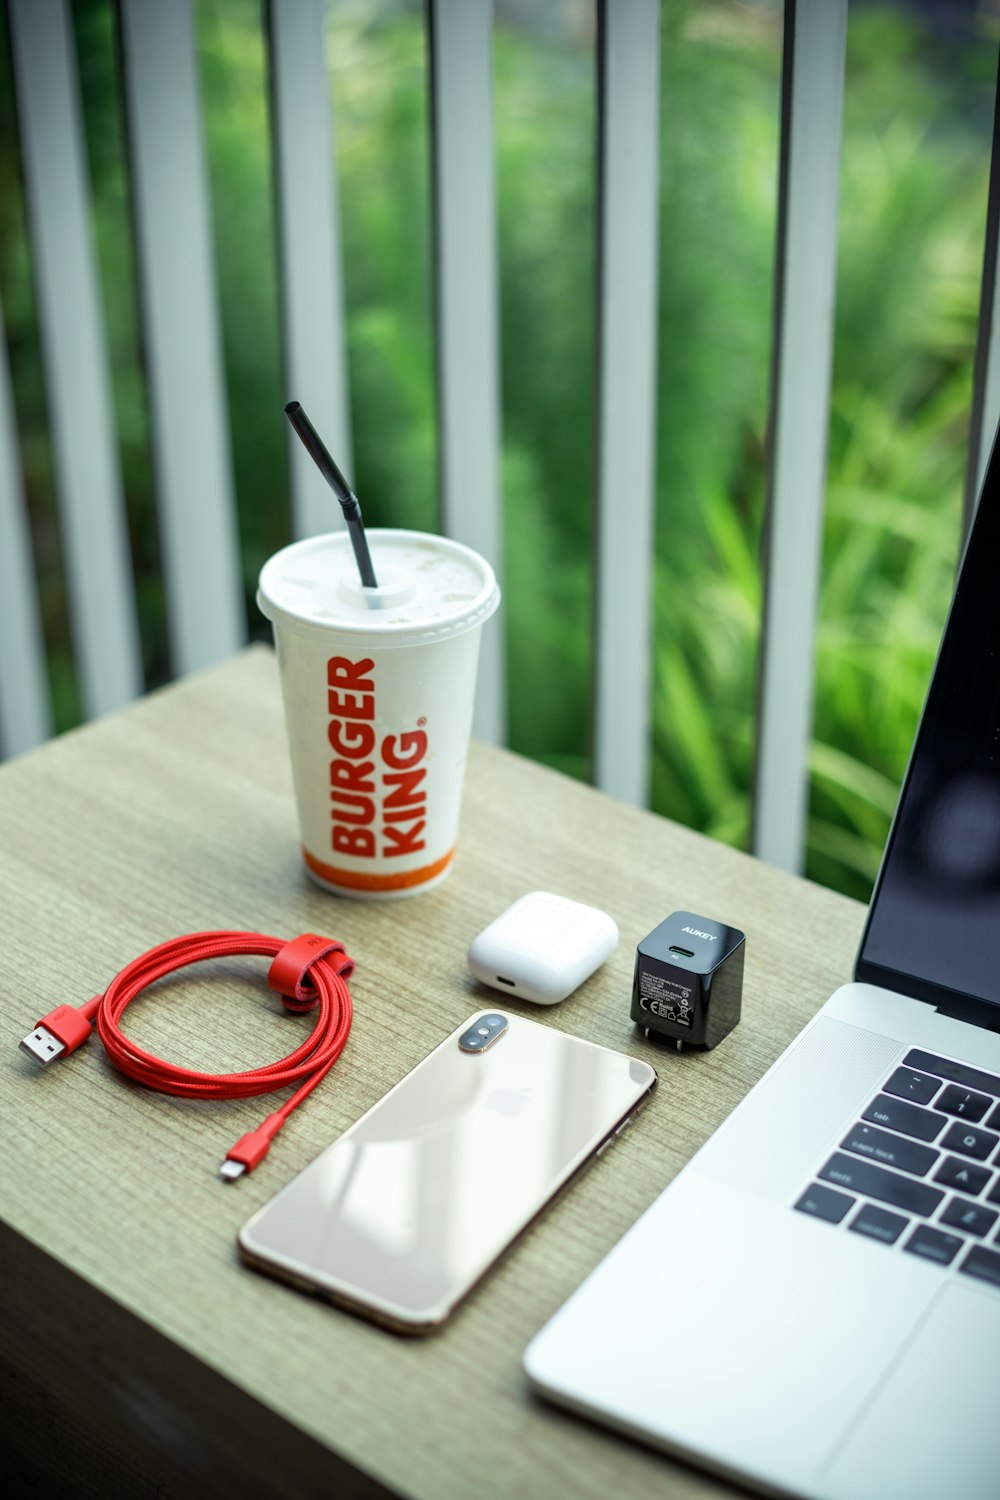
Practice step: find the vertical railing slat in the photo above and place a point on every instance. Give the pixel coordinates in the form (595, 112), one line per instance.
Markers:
(460, 37)
(628, 136)
(986, 374)
(812, 115)
(184, 359)
(91, 506)
(309, 233)
(25, 715)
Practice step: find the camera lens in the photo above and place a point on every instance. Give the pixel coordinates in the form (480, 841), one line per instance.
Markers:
(484, 1031)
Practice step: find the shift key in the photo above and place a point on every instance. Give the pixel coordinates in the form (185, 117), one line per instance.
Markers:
(875, 1182)
(908, 1119)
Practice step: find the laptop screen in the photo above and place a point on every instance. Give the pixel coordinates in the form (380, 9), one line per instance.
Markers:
(933, 928)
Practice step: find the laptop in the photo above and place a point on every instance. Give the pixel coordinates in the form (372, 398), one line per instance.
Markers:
(813, 1305)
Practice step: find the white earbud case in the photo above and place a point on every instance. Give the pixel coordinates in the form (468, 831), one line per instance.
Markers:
(543, 947)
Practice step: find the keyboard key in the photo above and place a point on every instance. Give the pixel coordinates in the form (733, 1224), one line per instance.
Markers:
(875, 1182)
(993, 1196)
(994, 1120)
(970, 1140)
(909, 1119)
(964, 1103)
(907, 1084)
(878, 1223)
(954, 1072)
(983, 1263)
(972, 1217)
(891, 1150)
(956, 1173)
(824, 1203)
(932, 1244)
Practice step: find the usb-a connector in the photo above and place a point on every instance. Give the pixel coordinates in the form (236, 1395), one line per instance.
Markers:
(62, 1030)
(42, 1047)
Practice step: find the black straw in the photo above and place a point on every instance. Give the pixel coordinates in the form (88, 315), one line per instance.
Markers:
(348, 499)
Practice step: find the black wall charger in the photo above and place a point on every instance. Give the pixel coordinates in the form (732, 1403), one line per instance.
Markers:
(688, 982)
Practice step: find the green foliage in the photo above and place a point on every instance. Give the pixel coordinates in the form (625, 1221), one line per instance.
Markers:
(233, 77)
(379, 77)
(913, 195)
(719, 142)
(913, 201)
(28, 390)
(545, 188)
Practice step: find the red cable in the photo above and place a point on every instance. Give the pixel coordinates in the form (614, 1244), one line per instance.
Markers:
(308, 972)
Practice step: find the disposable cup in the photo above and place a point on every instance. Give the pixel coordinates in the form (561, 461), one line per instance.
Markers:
(378, 687)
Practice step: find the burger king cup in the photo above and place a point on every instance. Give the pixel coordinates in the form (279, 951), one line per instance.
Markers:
(378, 688)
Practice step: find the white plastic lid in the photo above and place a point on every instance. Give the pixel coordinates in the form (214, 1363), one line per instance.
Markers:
(430, 587)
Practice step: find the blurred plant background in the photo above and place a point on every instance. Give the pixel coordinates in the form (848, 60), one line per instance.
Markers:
(917, 130)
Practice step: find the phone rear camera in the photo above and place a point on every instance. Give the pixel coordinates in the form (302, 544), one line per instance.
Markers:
(485, 1031)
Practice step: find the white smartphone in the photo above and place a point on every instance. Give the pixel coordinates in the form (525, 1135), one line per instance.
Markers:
(401, 1216)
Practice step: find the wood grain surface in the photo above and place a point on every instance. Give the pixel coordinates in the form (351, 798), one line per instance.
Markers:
(132, 1319)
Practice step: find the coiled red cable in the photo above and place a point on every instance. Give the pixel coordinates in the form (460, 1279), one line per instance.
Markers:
(310, 971)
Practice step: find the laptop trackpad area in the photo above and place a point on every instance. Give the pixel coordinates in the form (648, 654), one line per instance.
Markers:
(930, 1427)
(761, 1341)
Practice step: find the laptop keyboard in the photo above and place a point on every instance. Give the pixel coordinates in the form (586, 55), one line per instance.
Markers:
(919, 1168)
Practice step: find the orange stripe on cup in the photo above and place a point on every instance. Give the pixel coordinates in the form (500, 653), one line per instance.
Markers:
(361, 880)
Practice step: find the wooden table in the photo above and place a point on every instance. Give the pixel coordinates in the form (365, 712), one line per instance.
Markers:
(139, 1356)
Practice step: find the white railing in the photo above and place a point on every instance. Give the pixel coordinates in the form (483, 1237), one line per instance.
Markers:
(812, 108)
(465, 255)
(312, 293)
(181, 338)
(628, 114)
(91, 503)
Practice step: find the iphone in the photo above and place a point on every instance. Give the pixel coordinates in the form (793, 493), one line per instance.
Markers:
(401, 1216)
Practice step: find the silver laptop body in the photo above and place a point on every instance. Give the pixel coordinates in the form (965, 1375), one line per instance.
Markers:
(813, 1304)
